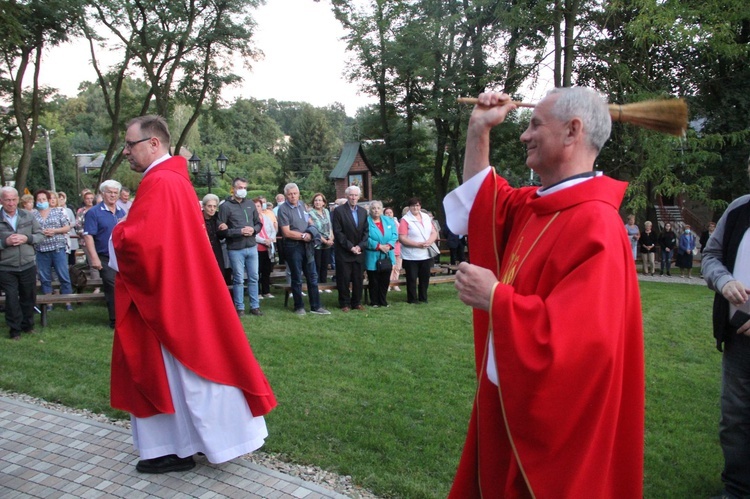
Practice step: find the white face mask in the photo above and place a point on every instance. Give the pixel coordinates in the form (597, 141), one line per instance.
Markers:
(241, 193)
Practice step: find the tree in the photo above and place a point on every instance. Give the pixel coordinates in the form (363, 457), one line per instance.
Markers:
(184, 49)
(28, 28)
(313, 143)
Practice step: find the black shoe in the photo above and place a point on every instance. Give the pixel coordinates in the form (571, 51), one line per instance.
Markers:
(256, 311)
(165, 464)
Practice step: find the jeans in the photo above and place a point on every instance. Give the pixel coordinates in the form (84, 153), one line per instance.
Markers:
(108, 286)
(734, 426)
(45, 260)
(296, 256)
(241, 260)
(666, 259)
(20, 298)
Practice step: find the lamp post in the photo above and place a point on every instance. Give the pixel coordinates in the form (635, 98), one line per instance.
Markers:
(46, 134)
(221, 164)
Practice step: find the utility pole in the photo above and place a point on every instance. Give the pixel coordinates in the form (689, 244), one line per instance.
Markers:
(49, 159)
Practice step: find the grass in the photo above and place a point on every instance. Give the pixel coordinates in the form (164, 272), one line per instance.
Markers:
(385, 395)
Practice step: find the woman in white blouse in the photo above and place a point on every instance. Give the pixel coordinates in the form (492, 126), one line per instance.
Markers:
(416, 233)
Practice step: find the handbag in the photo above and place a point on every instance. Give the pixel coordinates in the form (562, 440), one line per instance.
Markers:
(383, 264)
(433, 250)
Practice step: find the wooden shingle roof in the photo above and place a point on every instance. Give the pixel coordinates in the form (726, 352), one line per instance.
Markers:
(346, 160)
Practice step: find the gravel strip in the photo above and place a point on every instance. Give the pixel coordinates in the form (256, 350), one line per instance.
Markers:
(341, 484)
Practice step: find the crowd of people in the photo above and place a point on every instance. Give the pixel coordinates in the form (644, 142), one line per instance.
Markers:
(248, 236)
(52, 236)
(342, 241)
(680, 248)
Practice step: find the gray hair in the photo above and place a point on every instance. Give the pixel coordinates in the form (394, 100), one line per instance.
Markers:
(110, 184)
(211, 197)
(8, 189)
(589, 107)
(288, 187)
(351, 189)
(374, 204)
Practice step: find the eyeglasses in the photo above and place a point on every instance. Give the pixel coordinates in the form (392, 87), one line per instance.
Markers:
(129, 143)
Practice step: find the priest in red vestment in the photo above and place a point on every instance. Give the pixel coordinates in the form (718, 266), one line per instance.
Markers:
(559, 407)
(181, 363)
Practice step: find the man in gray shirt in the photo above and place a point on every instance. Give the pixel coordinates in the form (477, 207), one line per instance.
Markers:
(294, 223)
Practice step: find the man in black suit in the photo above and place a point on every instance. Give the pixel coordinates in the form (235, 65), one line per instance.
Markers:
(350, 229)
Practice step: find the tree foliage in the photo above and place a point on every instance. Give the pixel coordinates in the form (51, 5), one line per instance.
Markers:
(184, 50)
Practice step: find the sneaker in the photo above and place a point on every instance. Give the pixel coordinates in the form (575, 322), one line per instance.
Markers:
(304, 294)
(326, 290)
(320, 311)
(396, 288)
(268, 295)
(300, 311)
(69, 307)
(256, 311)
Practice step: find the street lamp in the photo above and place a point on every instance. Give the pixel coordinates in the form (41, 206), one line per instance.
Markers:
(46, 134)
(221, 164)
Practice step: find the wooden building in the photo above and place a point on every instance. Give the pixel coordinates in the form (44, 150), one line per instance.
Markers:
(353, 168)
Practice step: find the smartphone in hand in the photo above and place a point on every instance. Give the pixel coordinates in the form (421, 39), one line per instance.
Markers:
(738, 319)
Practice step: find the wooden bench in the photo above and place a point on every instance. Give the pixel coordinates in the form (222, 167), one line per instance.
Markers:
(45, 300)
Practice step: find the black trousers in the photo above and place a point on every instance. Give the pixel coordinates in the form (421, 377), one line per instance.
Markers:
(265, 266)
(108, 286)
(20, 297)
(349, 272)
(379, 282)
(322, 257)
(417, 269)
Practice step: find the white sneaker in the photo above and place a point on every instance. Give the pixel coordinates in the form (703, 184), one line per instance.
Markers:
(268, 295)
(320, 311)
(304, 294)
(300, 311)
(326, 290)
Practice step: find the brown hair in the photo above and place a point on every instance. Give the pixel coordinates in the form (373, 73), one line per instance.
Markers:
(153, 125)
(312, 200)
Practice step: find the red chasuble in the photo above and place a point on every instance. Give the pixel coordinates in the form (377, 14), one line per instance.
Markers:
(567, 418)
(170, 292)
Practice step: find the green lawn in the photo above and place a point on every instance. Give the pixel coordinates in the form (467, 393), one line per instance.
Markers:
(385, 395)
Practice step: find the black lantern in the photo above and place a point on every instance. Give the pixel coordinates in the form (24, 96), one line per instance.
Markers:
(221, 164)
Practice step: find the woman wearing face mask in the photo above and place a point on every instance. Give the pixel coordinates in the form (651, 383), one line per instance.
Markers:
(216, 233)
(685, 250)
(51, 252)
